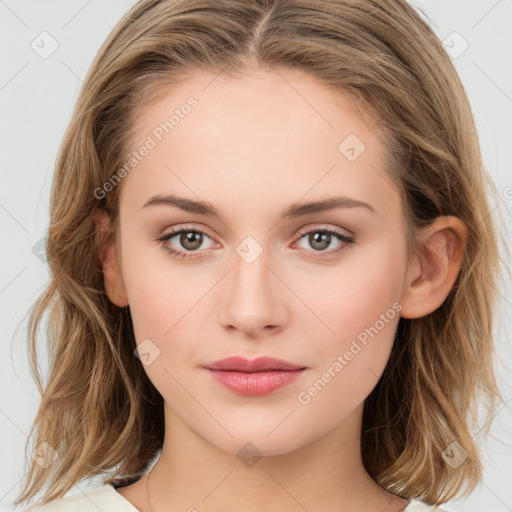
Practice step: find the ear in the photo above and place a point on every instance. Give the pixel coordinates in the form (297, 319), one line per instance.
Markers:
(431, 276)
(114, 284)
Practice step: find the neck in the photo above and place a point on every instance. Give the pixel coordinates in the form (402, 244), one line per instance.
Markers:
(326, 474)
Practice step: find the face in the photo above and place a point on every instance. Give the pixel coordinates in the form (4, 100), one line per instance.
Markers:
(320, 287)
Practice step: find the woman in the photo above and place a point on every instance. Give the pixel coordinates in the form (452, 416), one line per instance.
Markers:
(273, 266)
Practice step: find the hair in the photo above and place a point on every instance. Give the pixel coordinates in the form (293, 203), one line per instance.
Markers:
(98, 409)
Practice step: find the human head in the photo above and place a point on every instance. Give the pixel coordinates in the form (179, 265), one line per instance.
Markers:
(389, 62)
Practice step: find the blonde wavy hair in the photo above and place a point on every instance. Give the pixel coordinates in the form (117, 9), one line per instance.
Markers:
(98, 409)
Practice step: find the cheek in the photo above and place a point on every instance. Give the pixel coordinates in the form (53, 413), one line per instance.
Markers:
(159, 292)
(352, 296)
(150, 307)
(165, 302)
(161, 307)
(361, 306)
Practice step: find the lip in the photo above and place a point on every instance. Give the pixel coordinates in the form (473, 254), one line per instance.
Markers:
(256, 377)
(260, 364)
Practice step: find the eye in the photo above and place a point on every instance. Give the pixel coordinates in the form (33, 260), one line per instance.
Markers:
(190, 239)
(320, 239)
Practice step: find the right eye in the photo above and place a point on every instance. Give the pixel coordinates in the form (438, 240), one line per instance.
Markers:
(190, 239)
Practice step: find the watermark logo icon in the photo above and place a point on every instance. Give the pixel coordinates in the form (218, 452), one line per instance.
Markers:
(44, 45)
(44, 455)
(454, 455)
(351, 147)
(249, 249)
(147, 352)
(249, 454)
(455, 45)
(39, 250)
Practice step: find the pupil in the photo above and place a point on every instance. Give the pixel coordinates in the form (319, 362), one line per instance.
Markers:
(322, 239)
(191, 240)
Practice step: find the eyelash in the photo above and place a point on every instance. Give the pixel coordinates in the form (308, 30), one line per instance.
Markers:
(347, 241)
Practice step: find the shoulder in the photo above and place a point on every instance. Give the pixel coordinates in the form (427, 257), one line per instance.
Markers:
(104, 497)
(420, 506)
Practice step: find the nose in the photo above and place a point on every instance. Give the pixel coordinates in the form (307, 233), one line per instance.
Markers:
(254, 299)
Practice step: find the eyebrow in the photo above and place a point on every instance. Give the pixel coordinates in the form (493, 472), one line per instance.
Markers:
(293, 211)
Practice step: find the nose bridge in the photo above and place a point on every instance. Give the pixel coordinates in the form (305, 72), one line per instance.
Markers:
(250, 266)
(251, 275)
(253, 299)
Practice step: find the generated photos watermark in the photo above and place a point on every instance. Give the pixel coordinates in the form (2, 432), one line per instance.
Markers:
(304, 397)
(151, 142)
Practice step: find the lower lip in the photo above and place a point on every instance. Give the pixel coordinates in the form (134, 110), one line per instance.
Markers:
(257, 383)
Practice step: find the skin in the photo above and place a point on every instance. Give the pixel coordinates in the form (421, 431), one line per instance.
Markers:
(253, 146)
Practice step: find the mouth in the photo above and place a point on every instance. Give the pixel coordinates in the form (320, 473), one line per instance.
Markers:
(258, 377)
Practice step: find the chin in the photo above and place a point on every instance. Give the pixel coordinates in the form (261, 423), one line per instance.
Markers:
(255, 442)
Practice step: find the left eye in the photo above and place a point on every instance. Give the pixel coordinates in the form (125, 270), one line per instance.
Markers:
(320, 239)
(192, 239)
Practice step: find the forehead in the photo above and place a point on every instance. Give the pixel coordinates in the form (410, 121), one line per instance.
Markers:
(263, 137)
(276, 97)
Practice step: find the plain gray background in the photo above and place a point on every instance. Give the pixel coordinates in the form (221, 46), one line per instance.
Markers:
(37, 95)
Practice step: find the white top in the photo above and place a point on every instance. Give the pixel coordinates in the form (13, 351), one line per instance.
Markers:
(107, 499)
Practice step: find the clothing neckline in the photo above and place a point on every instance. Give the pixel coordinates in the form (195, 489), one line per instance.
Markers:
(123, 500)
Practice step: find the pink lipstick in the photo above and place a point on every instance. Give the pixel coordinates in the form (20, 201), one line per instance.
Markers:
(255, 377)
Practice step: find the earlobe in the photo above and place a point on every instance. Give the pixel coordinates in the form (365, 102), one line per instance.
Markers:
(431, 277)
(113, 279)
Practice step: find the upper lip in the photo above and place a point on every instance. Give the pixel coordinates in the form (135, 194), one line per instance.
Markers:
(260, 364)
